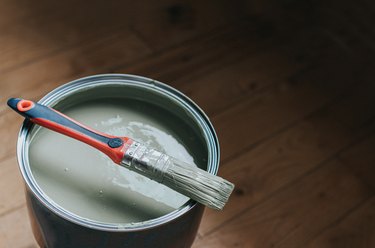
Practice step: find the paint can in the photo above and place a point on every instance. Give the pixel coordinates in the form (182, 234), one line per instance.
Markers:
(54, 226)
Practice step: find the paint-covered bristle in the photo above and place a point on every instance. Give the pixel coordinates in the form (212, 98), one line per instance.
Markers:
(189, 180)
(199, 185)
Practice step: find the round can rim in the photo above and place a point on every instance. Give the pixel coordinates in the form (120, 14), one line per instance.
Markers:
(91, 81)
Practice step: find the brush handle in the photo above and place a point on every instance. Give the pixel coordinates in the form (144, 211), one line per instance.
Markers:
(112, 146)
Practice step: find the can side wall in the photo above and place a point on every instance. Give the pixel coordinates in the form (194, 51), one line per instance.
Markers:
(62, 233)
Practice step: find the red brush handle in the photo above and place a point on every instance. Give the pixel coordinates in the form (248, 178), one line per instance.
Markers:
(112, 146)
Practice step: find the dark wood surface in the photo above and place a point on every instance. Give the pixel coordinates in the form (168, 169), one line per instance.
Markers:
(289, 86)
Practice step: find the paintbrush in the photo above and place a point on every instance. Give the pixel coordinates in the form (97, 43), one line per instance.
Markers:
(189, 180)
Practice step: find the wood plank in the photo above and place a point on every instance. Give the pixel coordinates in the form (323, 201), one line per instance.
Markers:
(11, 186)
(245, 39)
(198, 90)
(295, 214)
(355, 230)
(265, 113)
(36, 79)
(15, 230)
(357, 20)
(357, 108)
(229, 69)
(218, 90)
(14, 11)
(234, 76)
(47, 31)
(211, 65)
(170, 22)
(9, 128)
(273, 109)
(189, 60)
(276, 162)
(360, 158)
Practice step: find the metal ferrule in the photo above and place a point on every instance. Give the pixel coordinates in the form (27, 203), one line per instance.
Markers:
(146, 161)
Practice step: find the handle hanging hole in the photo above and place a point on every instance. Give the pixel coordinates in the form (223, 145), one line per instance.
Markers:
(24, 105)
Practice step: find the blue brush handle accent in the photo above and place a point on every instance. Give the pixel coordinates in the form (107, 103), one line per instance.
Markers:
(56, 121)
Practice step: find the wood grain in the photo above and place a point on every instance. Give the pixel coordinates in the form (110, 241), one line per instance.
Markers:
(45, 30)
(12, 187)
(35, 79)
(355, 230)
(360, 158)
(288, 86)
(196, 57)
(292, 216)
(277, 162)
(356, 108)
(170, 22)
(15, 230)
(265, 113)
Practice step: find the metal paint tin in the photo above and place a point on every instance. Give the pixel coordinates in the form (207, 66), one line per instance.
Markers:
(53, 226)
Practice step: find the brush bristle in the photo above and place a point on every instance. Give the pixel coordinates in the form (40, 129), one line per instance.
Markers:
(199, 185)
(189, 180)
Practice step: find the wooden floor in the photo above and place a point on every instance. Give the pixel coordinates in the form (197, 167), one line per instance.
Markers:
(288, 85)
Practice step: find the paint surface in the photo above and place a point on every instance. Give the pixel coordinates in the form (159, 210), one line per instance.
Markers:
(85, 182)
